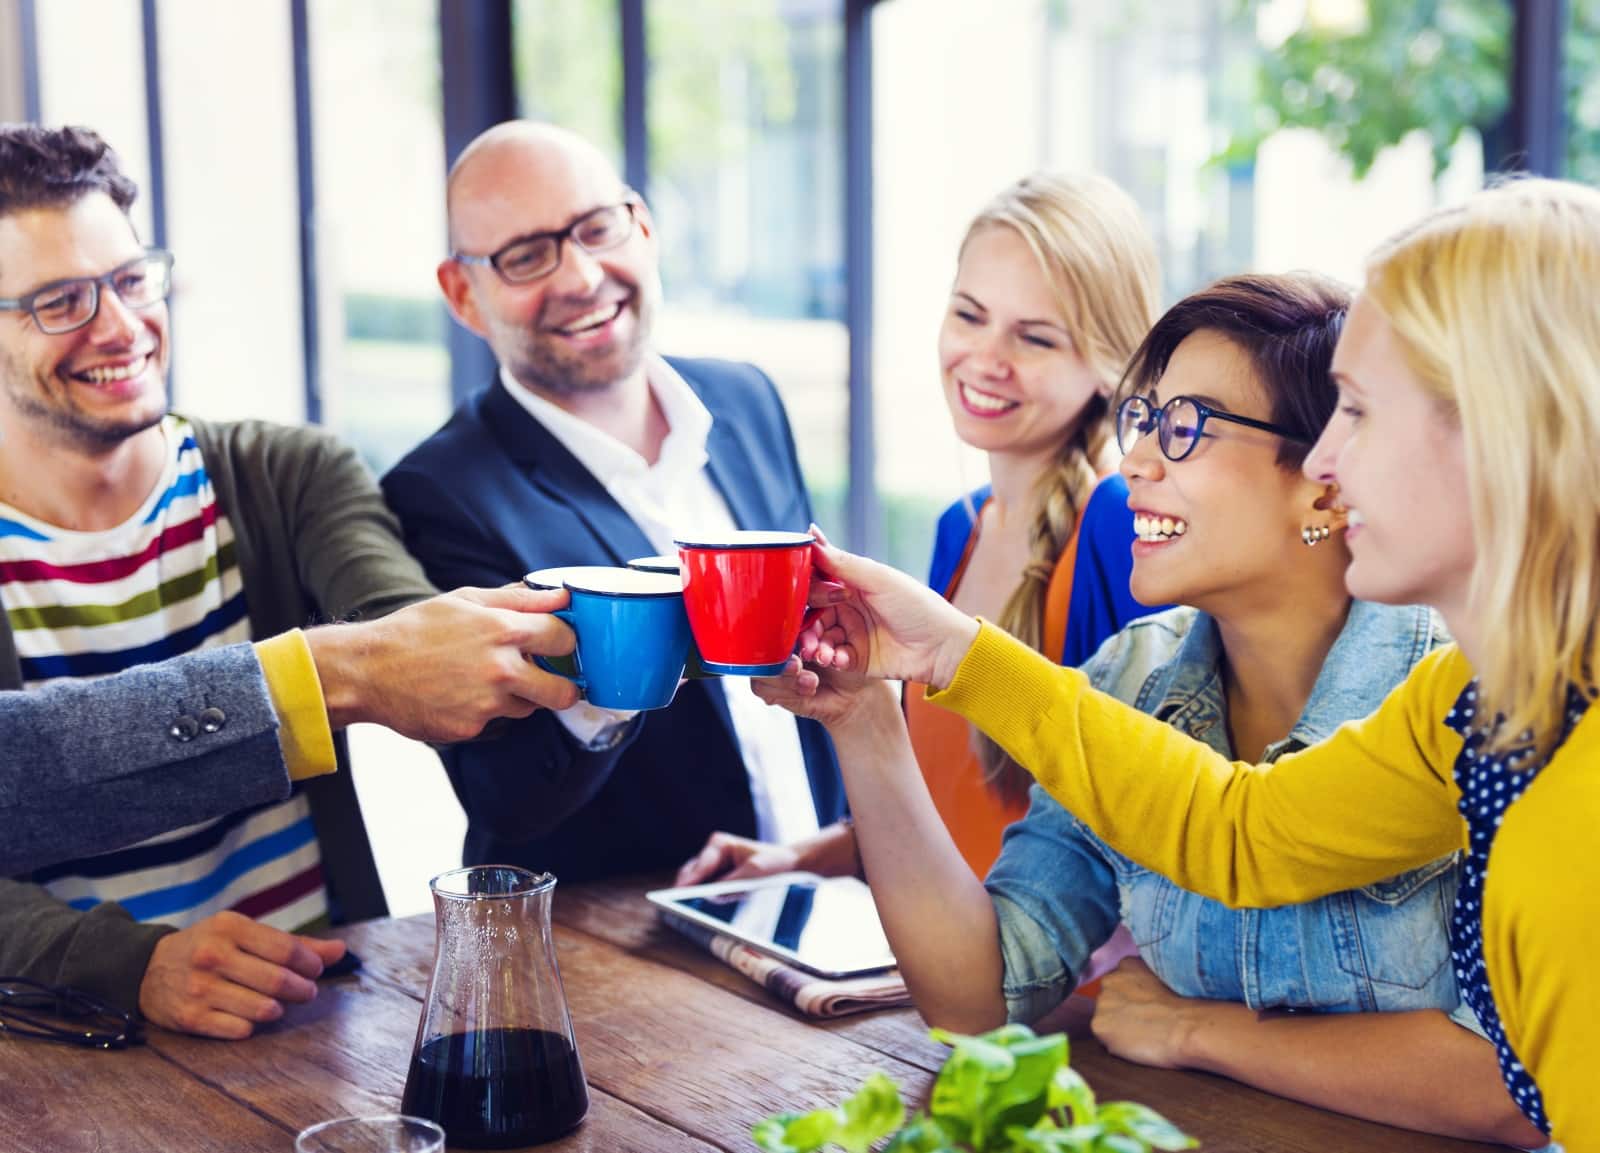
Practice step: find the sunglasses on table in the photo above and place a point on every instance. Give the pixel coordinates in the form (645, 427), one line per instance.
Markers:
(65, 1016)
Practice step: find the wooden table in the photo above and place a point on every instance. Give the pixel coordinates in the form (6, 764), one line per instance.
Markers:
(681, 1053)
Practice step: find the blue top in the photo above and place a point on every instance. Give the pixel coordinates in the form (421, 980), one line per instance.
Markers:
(1488, 787)
(1059, 891)
(1101, 603)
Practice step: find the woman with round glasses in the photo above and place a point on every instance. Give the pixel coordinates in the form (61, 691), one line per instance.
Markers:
(1464, 448)
(1055, 285)
(1270, 653)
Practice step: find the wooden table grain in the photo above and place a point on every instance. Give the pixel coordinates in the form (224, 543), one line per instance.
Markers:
(682, 1055)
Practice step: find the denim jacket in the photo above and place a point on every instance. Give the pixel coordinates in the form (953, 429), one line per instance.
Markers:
(1059, 891)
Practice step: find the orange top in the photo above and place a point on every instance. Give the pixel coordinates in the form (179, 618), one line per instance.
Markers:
(945, 744)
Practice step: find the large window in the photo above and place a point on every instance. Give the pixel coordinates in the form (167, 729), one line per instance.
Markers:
(380, 224)
(569, 67)
(746, 155)
(1176, 103)
(232, 215)
(98, 81)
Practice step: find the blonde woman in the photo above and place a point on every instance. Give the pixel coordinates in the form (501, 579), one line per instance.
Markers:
(1464, 449)
(1056, 284)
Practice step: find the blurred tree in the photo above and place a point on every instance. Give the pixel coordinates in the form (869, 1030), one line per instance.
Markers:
(717, 70)
(1367, 73)
(568, 60)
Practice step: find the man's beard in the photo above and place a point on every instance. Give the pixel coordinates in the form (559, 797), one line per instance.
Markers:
(76, 429)
(539, 365)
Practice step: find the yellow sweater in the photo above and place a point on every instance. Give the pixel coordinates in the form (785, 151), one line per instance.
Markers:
(1376, 798)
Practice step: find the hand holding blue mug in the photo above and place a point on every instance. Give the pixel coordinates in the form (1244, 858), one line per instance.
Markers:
(633, 636)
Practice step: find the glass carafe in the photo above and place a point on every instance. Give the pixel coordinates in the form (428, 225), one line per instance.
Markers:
(495, 1063)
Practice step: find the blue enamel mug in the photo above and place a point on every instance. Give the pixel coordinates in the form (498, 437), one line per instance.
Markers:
(633, 636)
(695, 670)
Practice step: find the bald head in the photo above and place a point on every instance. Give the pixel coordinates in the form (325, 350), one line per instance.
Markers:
(522, 176)
(572, 321)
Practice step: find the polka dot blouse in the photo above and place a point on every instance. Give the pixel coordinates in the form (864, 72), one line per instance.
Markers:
(1489, 783)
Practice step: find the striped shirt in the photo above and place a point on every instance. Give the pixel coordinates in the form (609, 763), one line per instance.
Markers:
(166, 581)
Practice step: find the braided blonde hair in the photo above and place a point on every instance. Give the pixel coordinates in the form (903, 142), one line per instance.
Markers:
(1100, 262)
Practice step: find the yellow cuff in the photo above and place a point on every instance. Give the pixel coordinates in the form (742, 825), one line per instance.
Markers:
(303, 731)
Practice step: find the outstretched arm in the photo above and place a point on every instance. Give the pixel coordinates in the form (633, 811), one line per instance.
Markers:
(937, 915)
(1373, 800)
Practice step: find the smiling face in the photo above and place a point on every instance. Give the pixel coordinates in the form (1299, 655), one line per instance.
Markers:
(1400, 462)
(1223, 524)
(98, 385)
(1013, 381)
(585, 326)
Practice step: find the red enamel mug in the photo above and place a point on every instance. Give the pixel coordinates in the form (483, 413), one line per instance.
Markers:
(745, 593)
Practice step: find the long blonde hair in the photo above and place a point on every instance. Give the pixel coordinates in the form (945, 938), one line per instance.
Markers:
(1496, 303)
(1100, 262)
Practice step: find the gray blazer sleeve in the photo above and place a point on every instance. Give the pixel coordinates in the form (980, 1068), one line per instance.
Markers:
(91, 766)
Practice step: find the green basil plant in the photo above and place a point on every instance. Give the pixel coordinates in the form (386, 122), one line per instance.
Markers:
(1007, 1091)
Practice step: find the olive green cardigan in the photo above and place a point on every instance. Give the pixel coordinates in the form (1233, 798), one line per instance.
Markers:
(315, 543)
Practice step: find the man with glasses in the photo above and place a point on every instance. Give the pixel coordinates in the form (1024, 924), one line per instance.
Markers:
(129, 535)
(589, 448)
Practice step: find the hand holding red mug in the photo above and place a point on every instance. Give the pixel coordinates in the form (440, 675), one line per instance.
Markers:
(876, 620)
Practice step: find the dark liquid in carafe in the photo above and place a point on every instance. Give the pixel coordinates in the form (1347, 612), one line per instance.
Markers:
(498, 1088)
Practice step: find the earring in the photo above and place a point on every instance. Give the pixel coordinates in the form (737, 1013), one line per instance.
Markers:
(1315, 534)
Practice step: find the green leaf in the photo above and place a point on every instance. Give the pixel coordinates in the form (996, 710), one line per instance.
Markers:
(1006, 1091)
(1023, 1097)
(874, 1112)
(1068, 1090)
(772, 1134)
(923, 1135)
(1145, 1124)
(1078, 1139)
(1118, 1143)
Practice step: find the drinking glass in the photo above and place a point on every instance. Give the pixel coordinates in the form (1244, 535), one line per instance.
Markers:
(392, 1133)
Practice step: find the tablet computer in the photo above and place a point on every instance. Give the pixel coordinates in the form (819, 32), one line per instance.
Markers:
(827, 926)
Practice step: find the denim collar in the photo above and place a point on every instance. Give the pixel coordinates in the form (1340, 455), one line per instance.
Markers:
(1374, 651)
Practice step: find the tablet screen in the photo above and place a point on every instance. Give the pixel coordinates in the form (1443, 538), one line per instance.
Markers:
(830, 926)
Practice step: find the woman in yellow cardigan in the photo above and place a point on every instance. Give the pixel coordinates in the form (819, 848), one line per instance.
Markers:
(1466, 447)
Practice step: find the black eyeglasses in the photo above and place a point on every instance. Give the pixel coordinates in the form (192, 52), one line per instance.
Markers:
(1179, 424)
(66, 305)
(528, 258)
(66, 1016)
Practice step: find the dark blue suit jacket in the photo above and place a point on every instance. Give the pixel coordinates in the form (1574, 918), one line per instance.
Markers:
(493, 495)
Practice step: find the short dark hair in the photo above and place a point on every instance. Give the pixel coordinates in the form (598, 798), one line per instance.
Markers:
(54, 167)
(1287, 324)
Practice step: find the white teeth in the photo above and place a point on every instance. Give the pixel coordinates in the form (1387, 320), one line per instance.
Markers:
(106, 374)
(985, 402)
(1354, 518)
(590, 319)
(1158, 528)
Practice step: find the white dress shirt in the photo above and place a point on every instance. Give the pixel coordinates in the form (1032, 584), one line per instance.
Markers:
(671, 498)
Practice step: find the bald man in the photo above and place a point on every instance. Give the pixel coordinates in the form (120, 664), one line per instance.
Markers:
(589, 448)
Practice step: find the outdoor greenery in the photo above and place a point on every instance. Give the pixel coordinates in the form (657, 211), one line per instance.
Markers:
(569, 69)
(1442, 67)
(1007, 1091)
(1438, 66)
